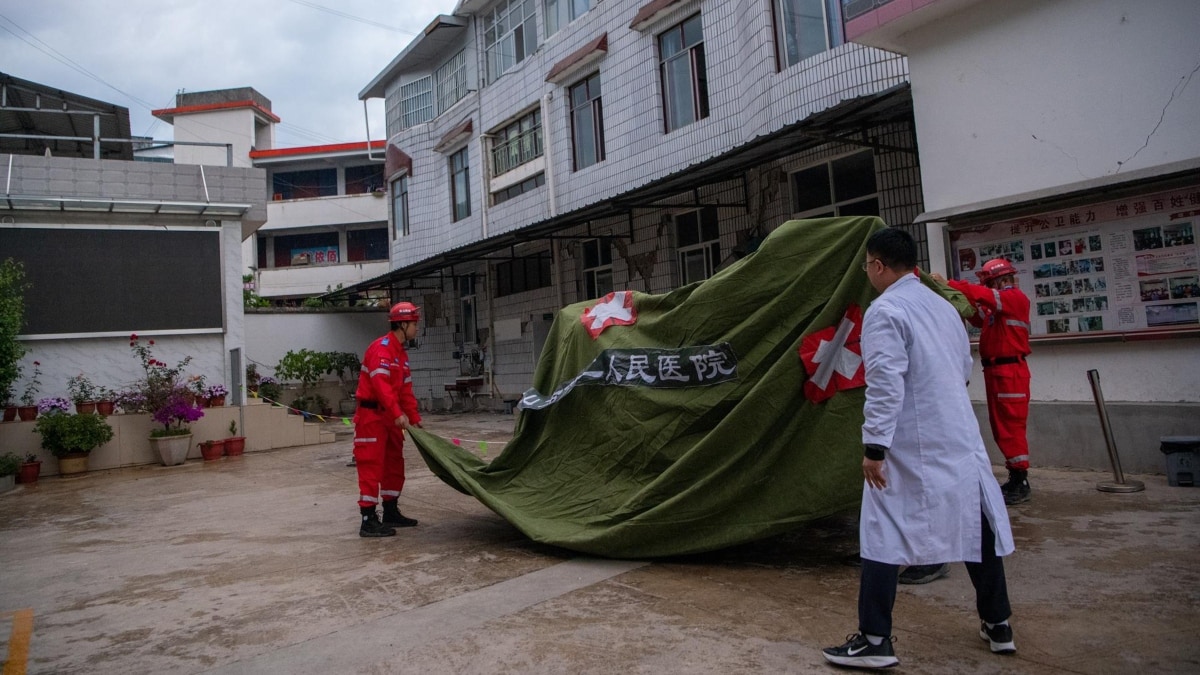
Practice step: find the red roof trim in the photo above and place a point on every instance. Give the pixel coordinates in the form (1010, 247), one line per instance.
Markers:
(651, 10)
(464, 128)
(316, 149)
(600, 44)
(208, 107)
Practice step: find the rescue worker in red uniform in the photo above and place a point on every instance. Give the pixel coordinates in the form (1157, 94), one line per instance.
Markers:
(386, 407)
(1003, 316)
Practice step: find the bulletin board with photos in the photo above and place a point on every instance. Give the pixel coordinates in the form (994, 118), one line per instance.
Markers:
(1128, 265)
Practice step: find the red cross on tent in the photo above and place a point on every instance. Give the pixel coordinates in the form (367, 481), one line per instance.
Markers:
(833, 357)
(614, 309)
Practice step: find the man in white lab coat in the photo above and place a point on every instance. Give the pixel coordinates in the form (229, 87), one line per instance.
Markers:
(929, 494)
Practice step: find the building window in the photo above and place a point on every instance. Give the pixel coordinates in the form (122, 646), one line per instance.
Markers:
(400, 206)
(698, 243)
(304, 184)
(517, 143)
(320, 248)
(559, 13)
(509, 35)
(684, 80)
(597, 268)
(523, 274)
(416, 102)
(364, 179)
(842, 187)
(460, 185)
(364, 245)
(587, 122)
(451, 81)
(804, 28)
(466, 306)
(521, 188)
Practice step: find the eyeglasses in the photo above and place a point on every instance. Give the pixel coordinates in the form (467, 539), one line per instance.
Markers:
(867, 264)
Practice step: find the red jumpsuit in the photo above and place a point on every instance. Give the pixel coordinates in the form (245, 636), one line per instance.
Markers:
(384, 392)
(1003, 316)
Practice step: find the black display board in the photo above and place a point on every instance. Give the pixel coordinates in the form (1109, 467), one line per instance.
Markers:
(85, 281)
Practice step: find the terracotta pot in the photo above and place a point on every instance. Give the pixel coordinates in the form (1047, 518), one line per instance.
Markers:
(104, 407)
(215, 402)
(235, 446)
(29, 472)
(75, 462)
(10, 413)
(211, 450)
(85, 407)
(27, 413)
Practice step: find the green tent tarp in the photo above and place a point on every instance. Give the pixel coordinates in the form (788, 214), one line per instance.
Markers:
(642, 471)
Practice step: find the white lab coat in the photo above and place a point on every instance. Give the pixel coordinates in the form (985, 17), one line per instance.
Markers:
(918, 360)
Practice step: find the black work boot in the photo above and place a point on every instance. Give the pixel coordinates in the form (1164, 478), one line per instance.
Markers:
(371, 527)
(393, 517)
(1016, 490)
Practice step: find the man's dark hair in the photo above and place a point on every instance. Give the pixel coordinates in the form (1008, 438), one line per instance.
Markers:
(894, 247)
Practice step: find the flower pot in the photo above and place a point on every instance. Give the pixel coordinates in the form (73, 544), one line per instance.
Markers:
(75, 462)
(235, 446)
(10, 413)
(85, 407)
(215, 402)
(211, 450)
(27, 413)
(172, 450)
(104, 407)
(29, 472)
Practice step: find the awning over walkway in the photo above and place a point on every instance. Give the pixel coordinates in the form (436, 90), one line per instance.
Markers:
(849, 122)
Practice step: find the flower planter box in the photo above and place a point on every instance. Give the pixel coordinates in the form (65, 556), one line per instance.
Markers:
(172, 450)
(235, 446)
(211, 450)
(29, 472)
(27, 413)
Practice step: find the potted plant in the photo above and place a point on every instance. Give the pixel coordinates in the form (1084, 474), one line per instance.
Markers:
(195, 389)
(269, 389)
(105, 401)
(169, 401)
(252, 378)
(211, 450)
(30, 470)
(12, 319)
(71, 438)
(28, 409)
(83, 393)
(214, 395)
(346, 366)
(234, 445)
(9, 465)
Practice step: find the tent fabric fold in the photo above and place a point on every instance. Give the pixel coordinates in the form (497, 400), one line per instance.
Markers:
(641, 472)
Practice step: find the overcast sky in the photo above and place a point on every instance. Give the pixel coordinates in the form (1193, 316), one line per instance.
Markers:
(310, 58)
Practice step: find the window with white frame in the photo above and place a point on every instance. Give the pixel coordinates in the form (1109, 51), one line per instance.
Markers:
(517, 143)
(804, 28)
(587, 122)
(558, 13)
(509, 35)
(597, 268)
(416, 102)
(400, 207)
(698, 244)
(451, 81)
(841, 187)
(683, 72)
(460, 185)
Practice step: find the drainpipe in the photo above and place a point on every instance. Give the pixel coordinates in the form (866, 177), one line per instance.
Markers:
(485, 180)
(367, 122)
(548, 155)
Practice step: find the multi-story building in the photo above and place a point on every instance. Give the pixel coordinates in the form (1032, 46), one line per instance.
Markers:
(327, 213)
(543, 152)
(1066, 136)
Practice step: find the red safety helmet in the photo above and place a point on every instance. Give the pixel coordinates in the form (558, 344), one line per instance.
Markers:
(994, 269)
(404, 311)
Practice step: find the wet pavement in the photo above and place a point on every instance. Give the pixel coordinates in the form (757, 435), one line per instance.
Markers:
(254, 565)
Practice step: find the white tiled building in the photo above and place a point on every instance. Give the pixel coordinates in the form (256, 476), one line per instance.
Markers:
(542, 152)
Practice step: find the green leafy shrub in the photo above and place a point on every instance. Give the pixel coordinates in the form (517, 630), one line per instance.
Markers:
(63, 434)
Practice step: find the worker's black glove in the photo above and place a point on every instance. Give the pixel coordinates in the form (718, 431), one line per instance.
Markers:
(874, 451)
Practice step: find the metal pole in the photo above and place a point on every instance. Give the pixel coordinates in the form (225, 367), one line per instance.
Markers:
(1118, 484)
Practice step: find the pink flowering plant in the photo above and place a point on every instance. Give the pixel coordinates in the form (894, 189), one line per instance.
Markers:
(165, 392)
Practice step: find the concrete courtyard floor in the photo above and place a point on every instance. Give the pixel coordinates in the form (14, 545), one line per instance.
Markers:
(254, 565)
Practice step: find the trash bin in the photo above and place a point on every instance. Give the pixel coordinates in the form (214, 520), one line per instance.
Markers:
(1183, 459)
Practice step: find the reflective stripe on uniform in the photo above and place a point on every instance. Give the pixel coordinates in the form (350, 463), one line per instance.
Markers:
(390, 493)
(381, 370)
(368, 498)
(1016, 322)
(1018, 458)
(408, 379)
(999, 305)
(365, 440)
(1010, 395)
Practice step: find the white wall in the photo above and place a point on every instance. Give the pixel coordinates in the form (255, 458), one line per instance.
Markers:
(271, 334)
(1022, 95)
(339, 210)
(234, 126)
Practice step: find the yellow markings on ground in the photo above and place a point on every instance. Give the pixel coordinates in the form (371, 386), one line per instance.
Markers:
(18, 641)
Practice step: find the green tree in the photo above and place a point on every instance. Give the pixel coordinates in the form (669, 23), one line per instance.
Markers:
(12, 320)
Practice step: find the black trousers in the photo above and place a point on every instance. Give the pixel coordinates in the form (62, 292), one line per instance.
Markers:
(877, 589)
